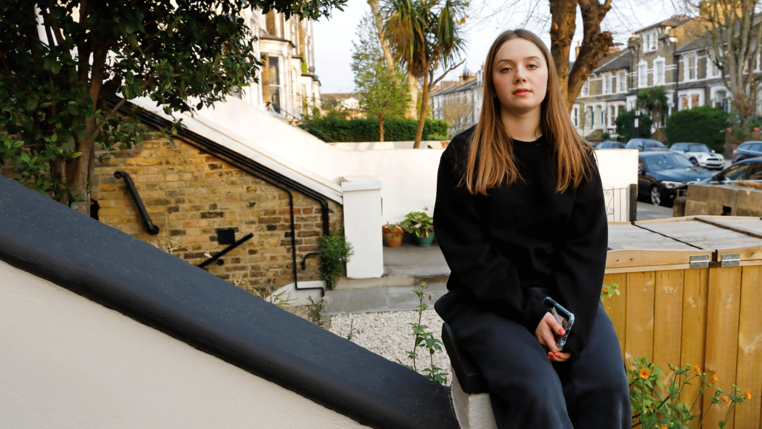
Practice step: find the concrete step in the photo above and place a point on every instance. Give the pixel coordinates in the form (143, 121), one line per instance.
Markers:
(406, 280)
(392, 298)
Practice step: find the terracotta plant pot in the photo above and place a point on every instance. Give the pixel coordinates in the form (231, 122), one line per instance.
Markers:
(393, 237)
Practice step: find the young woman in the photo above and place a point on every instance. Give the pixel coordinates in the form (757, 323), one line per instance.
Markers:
(519, 216)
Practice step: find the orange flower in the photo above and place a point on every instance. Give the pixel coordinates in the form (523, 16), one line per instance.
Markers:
(714, 378)
(697, 369)
(663, 426)
(747, 394)
(644, 373)
(726, 399)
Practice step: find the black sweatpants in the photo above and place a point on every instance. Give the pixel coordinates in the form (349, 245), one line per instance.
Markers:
(527, 391)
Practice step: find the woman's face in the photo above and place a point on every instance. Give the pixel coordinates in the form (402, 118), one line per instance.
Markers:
(520, 75)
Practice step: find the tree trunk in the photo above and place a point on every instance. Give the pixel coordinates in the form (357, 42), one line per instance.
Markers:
(412, 82)
(381, 126)
(80, 168)
(422, 112)
(595, 45)
(562, 28)
(379, 23)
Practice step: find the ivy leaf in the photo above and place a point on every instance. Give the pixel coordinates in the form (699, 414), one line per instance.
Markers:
(31, 104)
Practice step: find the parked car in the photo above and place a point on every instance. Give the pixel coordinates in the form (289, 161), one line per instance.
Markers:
(646, 145)
(662, 174)
(748, 169)
(699, 154)
(747, 150)
(610, 145)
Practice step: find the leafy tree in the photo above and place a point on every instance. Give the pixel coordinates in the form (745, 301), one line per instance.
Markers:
(703, 124)
(425, 36)
(625, 125)
(56, 78)
(654, 101)
(384, 93)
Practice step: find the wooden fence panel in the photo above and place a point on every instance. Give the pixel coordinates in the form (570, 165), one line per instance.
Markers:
(694, 331)
(749, 373)
(616, 306)
(639, 329)
(668, 321)
(722, 337)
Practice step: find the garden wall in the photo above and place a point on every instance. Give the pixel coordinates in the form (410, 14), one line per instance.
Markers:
(719, 200)
(189, 194)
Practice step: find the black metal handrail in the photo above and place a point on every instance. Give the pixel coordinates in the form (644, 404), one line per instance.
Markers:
(150, 227)
(219, 254)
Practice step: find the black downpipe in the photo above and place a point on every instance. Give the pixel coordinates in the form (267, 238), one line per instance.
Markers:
(248, 166)
(150, 227)
(221, 253)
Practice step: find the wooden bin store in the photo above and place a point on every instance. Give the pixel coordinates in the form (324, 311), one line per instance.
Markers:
(691, 292)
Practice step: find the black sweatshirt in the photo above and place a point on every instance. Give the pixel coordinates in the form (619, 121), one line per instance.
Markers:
(503, 246)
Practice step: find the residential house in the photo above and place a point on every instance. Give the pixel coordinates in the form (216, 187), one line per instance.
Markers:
(459, 102)
(603, 96)
(287, 77)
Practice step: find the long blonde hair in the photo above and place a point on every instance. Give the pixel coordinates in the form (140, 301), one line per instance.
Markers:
(493, 146)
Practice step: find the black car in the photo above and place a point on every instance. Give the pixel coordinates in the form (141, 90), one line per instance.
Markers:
(662, 174)
(748, 170)
(646, 145)
(610, 145)
(747, 150)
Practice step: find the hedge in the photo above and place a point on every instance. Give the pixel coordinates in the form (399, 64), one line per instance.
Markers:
(366, 130)
(625, 125)
(703, 124)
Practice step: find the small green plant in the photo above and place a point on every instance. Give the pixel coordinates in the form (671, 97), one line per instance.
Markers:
(279, 299)
(425, 339)
(351, 329)
(315, 311)
(334, 253)
(651, 410)
(418, 223)
(608, 291)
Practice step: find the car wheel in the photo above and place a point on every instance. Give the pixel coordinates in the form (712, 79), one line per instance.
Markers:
(656, 197)
(694, 161)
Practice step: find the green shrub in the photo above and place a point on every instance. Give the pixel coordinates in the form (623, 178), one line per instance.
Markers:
(703, 124)
(334, 251)
(366, 130)
(625, 125)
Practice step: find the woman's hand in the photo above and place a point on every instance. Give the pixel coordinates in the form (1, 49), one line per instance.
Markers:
(544, 333)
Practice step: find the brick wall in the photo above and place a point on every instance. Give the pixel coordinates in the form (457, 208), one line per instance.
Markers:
(189, 194)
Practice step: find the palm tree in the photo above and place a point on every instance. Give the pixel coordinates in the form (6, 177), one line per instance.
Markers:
(654, 101)
(424, 36)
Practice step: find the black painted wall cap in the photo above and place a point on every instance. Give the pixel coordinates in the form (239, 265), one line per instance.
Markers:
(107, 266)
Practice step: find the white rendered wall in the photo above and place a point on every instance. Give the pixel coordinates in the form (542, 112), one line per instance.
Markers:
(435, 144)
(67, 362)
(619, 169)
(362, 204)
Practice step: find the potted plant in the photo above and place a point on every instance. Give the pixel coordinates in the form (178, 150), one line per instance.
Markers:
(420, 224)
(392, 234)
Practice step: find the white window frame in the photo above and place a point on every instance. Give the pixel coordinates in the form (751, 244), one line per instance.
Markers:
(712, 71)
(586, 88)
(642, 74)
(659, 78)
(687, 67)
(622, 82)
(607, 83)
(575, 116)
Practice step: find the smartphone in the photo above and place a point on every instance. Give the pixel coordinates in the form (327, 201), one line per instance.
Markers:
(563, 316)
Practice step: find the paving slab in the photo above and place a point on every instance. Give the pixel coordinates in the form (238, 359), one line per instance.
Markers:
(647, 211)
(378, 299)
(409, 259)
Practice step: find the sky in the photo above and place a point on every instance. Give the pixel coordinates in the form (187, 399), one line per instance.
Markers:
(487, 18)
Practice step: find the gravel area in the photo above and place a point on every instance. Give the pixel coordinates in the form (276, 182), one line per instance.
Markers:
(389, 335)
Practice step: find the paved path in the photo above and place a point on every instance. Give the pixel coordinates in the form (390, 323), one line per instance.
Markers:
(648, 211)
